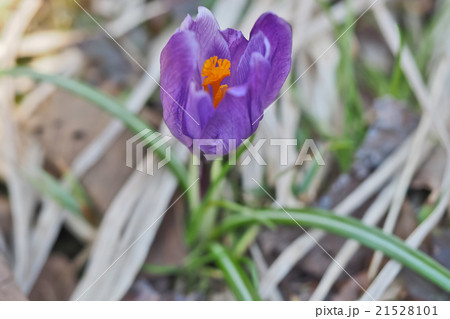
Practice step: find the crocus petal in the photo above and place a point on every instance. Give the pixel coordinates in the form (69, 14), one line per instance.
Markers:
(209, 38)
(200, 108)
(237, 44)
(257, 44)
(178, 69)
(260, 69)
(279, 34)
(186, 24)
(230, 122)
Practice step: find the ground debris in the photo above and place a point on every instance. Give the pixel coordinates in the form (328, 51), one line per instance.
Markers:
(56, 281)
(392, 123)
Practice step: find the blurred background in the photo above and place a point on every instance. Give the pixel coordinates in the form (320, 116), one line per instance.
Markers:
(369, 84)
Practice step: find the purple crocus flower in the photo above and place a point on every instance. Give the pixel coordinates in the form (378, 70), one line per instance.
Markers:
(216, 84)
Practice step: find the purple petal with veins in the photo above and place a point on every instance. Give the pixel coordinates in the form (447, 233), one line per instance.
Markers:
(224, 103)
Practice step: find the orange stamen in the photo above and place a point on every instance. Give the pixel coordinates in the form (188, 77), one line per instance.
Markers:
(215, 70)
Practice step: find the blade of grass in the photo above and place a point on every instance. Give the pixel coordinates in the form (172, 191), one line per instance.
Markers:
(235, 277)
(397, 79)
(108, 104)
(161, 269)
(346, 227)
(251, 267)
(244, 242)
(49, 186)
(192, 265)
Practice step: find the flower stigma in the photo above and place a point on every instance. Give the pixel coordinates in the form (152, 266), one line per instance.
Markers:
(215, 70)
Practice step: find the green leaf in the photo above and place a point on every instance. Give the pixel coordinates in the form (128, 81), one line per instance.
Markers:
(49, 186)
(347, 227)
(235, 277)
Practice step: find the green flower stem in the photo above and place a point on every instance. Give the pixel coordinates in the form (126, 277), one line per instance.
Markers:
(213, 190)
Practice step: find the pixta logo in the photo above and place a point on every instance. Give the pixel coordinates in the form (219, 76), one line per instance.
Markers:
(141, 157)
